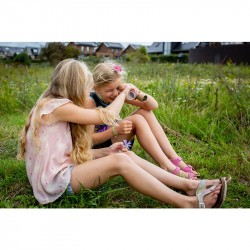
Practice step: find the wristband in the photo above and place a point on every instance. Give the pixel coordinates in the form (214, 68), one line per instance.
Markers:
(114, 133)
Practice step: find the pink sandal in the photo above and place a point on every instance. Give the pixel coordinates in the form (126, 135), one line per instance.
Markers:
(189, 175)
(187, 169)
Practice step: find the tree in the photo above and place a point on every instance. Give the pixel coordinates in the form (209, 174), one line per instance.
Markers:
(53, 53)
(71, 52)
(56, 52)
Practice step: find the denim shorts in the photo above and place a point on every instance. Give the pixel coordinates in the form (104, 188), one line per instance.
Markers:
(69, 188)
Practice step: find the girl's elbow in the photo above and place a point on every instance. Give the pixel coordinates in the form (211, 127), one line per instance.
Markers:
(155, 106)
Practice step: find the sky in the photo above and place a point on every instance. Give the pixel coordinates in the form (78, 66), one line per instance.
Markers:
(27, 44)
(127, 21)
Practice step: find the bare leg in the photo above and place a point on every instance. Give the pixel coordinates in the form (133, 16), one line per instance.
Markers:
(160, 135)
(149, 143)
(94, 173)
(173, 181)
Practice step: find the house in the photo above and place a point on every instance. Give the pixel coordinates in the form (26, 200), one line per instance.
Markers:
(85, 48)
(131, 48)
(220, 53)
(109, 50)
(9, 49)
(183, 47)
(167, 48)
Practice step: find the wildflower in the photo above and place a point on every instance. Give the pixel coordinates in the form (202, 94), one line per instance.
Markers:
(127, 144)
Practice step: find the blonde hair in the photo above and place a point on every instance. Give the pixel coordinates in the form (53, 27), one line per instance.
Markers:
(107, 72)
(70, 79)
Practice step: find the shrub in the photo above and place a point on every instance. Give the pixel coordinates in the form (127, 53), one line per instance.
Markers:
(139, 56)
(22, 58)
(71, 52)
(173, 58)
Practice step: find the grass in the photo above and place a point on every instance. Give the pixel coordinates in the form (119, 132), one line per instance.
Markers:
(204, 110)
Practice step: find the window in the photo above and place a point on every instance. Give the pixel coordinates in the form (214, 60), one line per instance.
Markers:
(82, 48)
(117, 51)
(88, 49)
(112, 50)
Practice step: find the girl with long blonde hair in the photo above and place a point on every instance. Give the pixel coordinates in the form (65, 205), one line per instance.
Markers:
(56, 145)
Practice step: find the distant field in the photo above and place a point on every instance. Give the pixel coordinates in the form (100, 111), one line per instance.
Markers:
(204, 110)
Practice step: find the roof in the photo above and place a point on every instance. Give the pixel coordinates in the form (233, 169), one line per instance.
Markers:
(114, 45)
(23, 44)
(90, 44)
(184, 46)
(135, 46)
(156, 47)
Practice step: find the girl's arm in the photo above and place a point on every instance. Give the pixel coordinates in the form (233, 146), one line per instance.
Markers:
(149, 104)
(100, 137)
(114, 148)
(124, 127)
(73, 113)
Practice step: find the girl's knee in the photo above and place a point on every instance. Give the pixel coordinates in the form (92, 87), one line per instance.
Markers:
(120, 158)
(144, 112)
(122, 161)
(137, 118)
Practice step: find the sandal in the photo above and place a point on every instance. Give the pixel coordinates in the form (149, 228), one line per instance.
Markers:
(187, 175)
(202, 191)
(187, 169)
(228, 179)
(223, 192)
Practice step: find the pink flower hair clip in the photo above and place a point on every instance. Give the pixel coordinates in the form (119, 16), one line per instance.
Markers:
(117, 68)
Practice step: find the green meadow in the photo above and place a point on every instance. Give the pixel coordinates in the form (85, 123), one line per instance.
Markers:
(204, 110)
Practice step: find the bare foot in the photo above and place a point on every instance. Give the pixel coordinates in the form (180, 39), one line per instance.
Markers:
(194, 184)
(209, 199)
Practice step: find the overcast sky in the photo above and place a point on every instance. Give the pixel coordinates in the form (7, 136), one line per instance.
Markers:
(30, 44)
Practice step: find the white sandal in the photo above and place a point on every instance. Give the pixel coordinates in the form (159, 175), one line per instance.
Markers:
(202, 191)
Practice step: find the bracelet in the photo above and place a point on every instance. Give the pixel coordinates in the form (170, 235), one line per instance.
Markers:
(114, 133)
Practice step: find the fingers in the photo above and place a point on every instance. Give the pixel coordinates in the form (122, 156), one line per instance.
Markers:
(125, 127)
(119, 147)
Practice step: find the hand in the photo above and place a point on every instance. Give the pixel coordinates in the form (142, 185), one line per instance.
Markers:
(133, 87)
(125, 88)
(125, 127)
(117, 147)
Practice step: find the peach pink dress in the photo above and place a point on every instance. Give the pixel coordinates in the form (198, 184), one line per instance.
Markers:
(48, 165)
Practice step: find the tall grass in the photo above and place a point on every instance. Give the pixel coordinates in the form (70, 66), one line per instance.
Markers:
(204, 110)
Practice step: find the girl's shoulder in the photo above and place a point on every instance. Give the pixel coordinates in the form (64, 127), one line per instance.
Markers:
(98, 102)
(90, 103)
(51, 104)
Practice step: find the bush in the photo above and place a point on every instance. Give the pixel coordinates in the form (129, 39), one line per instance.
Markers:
(22, 58)
(172, 58)
(139, 56)
(71, 52)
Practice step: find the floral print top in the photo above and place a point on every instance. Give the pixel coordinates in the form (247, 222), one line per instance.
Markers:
(48, 162)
